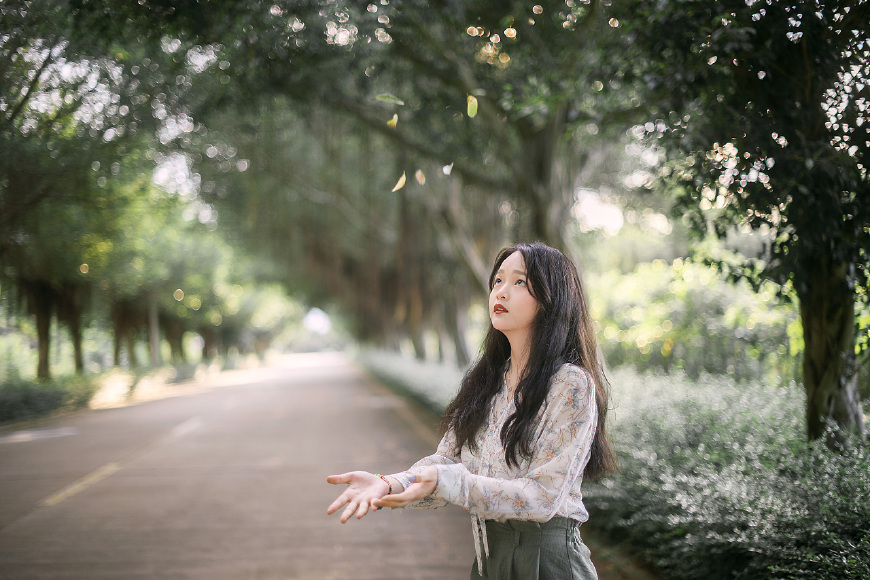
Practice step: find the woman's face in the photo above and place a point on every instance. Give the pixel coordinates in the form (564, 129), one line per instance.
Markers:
(512, 308)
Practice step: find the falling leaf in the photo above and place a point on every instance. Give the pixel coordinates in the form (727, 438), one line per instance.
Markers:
(447, 169)
(420, 177)
(392, 122)
(472, 106)
(401, 183)
(388, 98)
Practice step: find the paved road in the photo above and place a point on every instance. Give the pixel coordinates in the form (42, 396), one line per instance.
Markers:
(225, 481)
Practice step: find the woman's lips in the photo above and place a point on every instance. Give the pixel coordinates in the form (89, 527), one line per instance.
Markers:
(498, 309)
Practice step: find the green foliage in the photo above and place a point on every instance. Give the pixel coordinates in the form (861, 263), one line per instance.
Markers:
(716, 481)
(685, 316)
(760, 109)
(26, 399)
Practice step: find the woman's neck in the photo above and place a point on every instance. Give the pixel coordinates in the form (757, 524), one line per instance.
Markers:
(518, 360)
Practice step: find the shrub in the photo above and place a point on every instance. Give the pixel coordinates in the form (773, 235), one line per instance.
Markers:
(431, 384)
(717, 481)
(78, 390)
(26, 399)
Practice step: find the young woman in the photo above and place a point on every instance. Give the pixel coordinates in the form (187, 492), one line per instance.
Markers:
(525, 429)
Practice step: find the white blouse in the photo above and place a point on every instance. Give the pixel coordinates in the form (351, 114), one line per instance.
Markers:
(539, 489)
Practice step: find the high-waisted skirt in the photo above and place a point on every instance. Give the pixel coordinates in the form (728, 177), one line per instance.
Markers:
(524, 550)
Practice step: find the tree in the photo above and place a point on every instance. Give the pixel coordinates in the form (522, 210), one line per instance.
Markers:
(315, 197)
(496, 92)
(493, 91)
(61, 115)
(158, 268)
(762, 108)
(495, 95)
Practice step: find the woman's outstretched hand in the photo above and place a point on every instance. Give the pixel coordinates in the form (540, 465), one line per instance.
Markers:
(363, 488)
(422, 486)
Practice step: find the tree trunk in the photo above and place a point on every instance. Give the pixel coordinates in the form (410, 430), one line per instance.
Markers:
(453, 320)
(460, 234)
(70, 299)
(829, 367)
(173, 330)
(542, 182)
(116, 348)
(154, 331)
(409, 312)
(118, 325)
(131, 348)
(41, 306)
(75, 331)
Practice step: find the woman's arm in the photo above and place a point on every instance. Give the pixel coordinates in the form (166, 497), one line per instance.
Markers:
(561, 453)
(364, 489)
(444, 455)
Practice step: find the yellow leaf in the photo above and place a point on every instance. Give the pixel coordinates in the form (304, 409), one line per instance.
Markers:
(401, 183)
(388, 98)
(392, 122)
(472, 106)
(420, 177)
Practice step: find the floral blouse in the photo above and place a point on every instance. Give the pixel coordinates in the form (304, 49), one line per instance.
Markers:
(539, 489)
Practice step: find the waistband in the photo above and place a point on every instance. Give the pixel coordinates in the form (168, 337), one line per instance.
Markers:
(533, 533)
(519, 531)
(526, 526)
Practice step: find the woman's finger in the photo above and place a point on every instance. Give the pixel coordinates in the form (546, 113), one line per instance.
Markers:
(349, 511)
(392, 503)
(338, 479)
(397, 500)
(363, 509)
(339, 501)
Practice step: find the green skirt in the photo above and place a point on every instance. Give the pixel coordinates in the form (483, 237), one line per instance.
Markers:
(524, 550)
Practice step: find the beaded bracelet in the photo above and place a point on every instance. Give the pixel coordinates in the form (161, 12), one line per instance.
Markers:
(387, 481)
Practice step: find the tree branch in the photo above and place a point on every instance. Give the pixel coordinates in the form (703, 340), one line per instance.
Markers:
(33, 83)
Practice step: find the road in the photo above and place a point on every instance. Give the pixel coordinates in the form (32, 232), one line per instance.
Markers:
(225, 480)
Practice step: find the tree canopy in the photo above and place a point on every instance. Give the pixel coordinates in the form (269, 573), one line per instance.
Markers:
(379, 153)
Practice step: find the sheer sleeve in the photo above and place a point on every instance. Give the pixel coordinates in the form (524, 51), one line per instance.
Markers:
(445, 454)
(562, 448)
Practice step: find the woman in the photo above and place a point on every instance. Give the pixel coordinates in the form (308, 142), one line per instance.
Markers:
(527, 426)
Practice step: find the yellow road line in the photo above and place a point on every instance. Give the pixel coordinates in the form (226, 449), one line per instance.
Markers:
(77, 486)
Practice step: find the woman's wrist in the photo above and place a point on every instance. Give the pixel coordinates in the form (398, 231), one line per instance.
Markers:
(397, 485)
(389, 483)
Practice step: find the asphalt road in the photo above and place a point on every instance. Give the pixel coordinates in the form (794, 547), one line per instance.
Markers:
(226, 480)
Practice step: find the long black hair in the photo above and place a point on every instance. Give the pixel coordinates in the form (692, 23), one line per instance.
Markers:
(562, 332)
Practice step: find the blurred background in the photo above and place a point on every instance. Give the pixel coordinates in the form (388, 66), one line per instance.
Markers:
(191, 186)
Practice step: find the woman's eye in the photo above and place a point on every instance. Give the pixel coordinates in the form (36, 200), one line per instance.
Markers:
(497, 281)
(521, 282)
